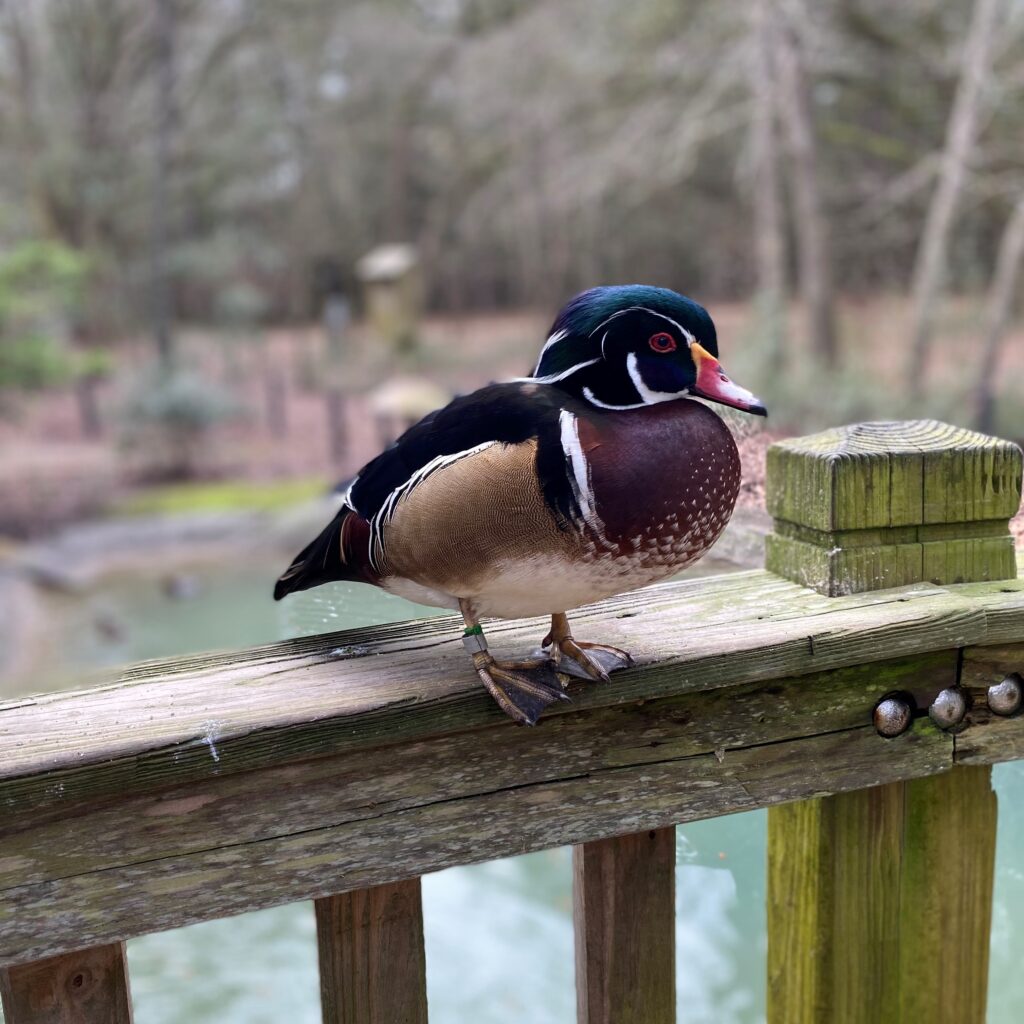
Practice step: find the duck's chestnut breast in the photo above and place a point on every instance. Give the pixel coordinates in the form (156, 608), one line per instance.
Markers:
(666, 475)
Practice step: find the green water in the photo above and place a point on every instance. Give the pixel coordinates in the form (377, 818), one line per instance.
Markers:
(498, 935)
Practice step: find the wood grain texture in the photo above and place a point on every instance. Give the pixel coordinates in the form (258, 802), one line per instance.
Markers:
(833, 908)
(88, 986)
(879, 505)
(836, 571)
(945, 897)
(382, 844)
(195, 718)
(294, 772)
(879, 475)
(880, 903)
(372, 963)
(624, 920)
(880, 900)
(41, 844)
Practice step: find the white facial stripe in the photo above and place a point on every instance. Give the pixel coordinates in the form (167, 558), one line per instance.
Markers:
(614, 316)
(387, 511)
(552, 378)
(554, 339)
(690, 339)
(582, 488)
(650, 396)
(594, 400)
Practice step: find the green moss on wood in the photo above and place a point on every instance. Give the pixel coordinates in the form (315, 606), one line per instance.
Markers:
(872, 475)
(880, 900)
(881, 505)
(839, 571)
(880, 903)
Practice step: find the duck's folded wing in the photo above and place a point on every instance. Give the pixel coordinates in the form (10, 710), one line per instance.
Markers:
(506, 414)
(520, 414)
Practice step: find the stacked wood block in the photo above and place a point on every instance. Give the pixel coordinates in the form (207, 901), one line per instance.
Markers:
(878, 505)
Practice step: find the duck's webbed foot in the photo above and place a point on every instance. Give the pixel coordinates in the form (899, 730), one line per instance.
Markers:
(580, 658)
(522, 689)
(522, 693)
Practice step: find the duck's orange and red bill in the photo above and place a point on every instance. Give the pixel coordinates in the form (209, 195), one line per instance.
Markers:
(714, 384)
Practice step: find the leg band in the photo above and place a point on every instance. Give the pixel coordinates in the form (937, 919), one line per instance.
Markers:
(475, 643)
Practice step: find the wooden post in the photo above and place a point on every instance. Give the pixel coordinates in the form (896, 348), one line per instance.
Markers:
(624, 914)
(89, 986)
(392, 283)
(880, 505)
(372, 960)
(879, 901)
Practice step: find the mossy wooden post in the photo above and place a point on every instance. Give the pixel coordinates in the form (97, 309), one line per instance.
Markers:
(879, 900)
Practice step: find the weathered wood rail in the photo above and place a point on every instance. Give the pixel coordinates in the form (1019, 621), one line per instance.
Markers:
(341, 768)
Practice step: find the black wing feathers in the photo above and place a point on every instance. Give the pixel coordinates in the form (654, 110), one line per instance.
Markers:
(510, 413)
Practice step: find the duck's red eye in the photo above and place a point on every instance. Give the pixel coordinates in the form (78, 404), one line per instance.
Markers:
(662, 342)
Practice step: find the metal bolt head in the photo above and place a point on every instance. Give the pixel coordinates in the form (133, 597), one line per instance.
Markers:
(892, 717)
(1005, 698)
(948, 708)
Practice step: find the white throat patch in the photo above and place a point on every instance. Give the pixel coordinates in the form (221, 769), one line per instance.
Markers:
(649, 395)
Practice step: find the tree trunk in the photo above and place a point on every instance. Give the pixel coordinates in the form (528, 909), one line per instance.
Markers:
(998, 311)
(813, 249)
(961, 129)
(88, 406)
(161, 311)
(768, 236)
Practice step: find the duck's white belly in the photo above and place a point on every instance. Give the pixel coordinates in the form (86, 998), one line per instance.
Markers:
(541, 585)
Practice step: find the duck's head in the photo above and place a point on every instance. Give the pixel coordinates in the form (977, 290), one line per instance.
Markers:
(627, 346)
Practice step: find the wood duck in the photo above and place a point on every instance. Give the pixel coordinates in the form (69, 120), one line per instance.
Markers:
(593, 476)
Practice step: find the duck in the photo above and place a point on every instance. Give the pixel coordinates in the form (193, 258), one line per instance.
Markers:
(604, 470)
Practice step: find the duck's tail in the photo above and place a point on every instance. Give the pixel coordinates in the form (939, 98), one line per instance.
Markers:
(334, 555)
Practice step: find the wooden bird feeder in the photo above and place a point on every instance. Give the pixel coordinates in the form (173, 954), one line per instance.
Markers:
(392, 284)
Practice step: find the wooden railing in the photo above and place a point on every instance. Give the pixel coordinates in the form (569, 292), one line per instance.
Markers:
(341, 768)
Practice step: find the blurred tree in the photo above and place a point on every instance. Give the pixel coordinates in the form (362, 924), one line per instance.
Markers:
(167, 420)
(961, 133)
(768, 214)
(527, 148)
(41, 287)
(813, 248)
(165, 119)
(997, 315)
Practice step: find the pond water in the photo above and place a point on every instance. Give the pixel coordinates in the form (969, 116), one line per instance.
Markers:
(498, 935)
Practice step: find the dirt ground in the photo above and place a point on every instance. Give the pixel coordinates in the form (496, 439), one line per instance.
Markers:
(287, 392)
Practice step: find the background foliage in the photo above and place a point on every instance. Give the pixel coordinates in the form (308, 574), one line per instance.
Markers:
(531, 148)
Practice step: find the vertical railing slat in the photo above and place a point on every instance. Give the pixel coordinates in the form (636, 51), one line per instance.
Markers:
(624, 913)
(89, 986)
(880, 903)
(372, 959)
(946, 897)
